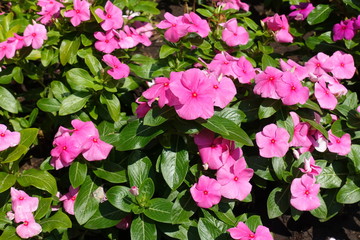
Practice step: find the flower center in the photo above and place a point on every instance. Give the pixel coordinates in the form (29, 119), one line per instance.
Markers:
(166, 84)
(271, 78)
(216, 86)
(235, 34)
(2, 134)
(77, 11)
(338, 141)
(236, 178)
(108, 16)
(107, 41)
(251, 235)
(73, 198)
(213, 145)
(226, 63)
(95, 140)
(64, 147)
(174, 25)
(307, 192)
(318, 65)
(26, 223)
(343, 28)
(342, 64)
(115, 66)
(33, 34)
(244, 71)
(194, 94)
(293, 88)
(206, 192)
(21, 198)
(4, 47)
(273, 140)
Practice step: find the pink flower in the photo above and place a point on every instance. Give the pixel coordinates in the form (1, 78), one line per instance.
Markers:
(223, 63)
(196, 24)
(160, 91)
(125, 222)
(234, 35)
(128, 37)
(301, 130)
(339, 145)
(310, 167)
(244, 70)
(290, 90)
(272, 141)
(344, 30)
(35, 35)
(343, 65)
(206, 192)
(8, 138)
(83, 130)
(176, 28)
(67, 148)
(107, 43)
(319, 65)
(119, 70)
(279, 24)
(242, 232)
(233, 4)
(69, 200)
(112, 17)
(7, 49)
(301, 11)
(22, 203)
(299, 71)
(50, 9)
(17, 40)
(29, 228)
(142, 109)
(94, 149)
(283, 36)
(234, 180)
(266, 82)
(80, 13)
(324, 97)
(304, 193)
(144, 28)
(195, 95)
(224, 91)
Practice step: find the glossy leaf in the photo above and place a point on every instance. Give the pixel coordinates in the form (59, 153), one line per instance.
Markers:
(68, 50)
(106, 216)
(7, 180)
(319, 14)
(278, 202)
(77, 173)
(8, 101)
(350, 192)
(57, 221)
(73, 103)
(39, 179)
(159, 210)
(143, 229)
(119, 197)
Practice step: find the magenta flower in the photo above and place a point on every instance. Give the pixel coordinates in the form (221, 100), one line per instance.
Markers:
(29, 228)
(319, 65)
(125, 223)
(195, 95)
(290, 90)
(223, 64)
(206, 192)
(119, 70)
(196, 24)
(304, 193)
(244, 70)
(176, 28)
(224, 91)
(107, 43)
(242, 232)
(128, 37)
(234, 180)
(35, 35)
(272, 141)
(301, 11)
(344, 30)
(83, 130)
(142, 109)
(299, 71)
(159, 91)
(266, 82)
(69, 200)
(233, 4)
(49, 9)
(80, 13)
(112, 17)
(343, 65)
(280, 25)
(234, 35)
(94, 149)
(324, 97)
(8, 138)
(339, 145)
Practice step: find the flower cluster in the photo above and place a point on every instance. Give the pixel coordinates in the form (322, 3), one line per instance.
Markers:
(49, 9)
(301, 11)
(84, 139)
(232, 4)
(23, 207)
(280, 26)
(346, 29)
(232, 176)
(80, 13)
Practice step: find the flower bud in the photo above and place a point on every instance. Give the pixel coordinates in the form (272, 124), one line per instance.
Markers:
(134, 190)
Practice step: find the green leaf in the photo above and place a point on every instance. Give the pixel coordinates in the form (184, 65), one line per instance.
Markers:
(210, 229)
(142, 59)
(28, 136)
(111, 172)
(85, 204)
(261, 167)
(48, 104)
(8, 101)
(44, 207)
(319, 14)
(268, 61)
(355, 4)
(159, 210)
(253, 222)
(337, 128)
(47, 56)
(166, 50)
(333, 207)
(268, 108)
(214, 124)
(80, 80)
(59, 90)
(314, 124)
(16, 153)
(278, 202)
(105, 217)
(349, 193)
(321, 211)
(113, 105)
(9, 233)
(157, 116)
(18, 75)
(77, 173)
(279, 166)
(354, 155)
(138, 168)
(73, 103)
(175, 162)
(57, 221)
(250, 23)
(328, 178)
(311, 105)
(119, 197)
(142, 229)
(7, 180)
(68, 50)
(285, 121)
(146, 7)
(93, 64)
(135, 135)
(39, 179)
(225, 213)
(204, 12)
(146, 191)
(183, 208)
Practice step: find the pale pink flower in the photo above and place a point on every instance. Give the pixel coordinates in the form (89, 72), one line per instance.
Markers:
(176, 28)
(234, 35)
(223, 64)
(310, 167)
(290, 90)
(206, 192)
(67, 148)
(234, 180)
(112, 17)
(69, 200)
(339, 145)
(17, 40)
(128, 37)
(29, 228)
(301, 11)
(144, 28)
(266, 82)
(301, 130)
(242, 232)
(22, 203)
(159, 91)
(337, 88)
(94, 149)
(324, 97)
(343, 65)
(290, 66)
(272, 141)
(244, 70)
(280, 25)
(80, 13)
(195, 95)
(107, 43)
(304, 193)
(7, 49)
(8, 138)
(224, 91)
(196, 24)
(35, 35)
(119, 70)
(233, 4)
(319, 64)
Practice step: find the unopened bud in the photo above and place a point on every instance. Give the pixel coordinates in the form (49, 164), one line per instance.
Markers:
(205, 166)
(134, 190)
(10, 215)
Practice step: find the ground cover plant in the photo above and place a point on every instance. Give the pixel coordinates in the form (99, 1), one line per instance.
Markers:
(172, 145)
